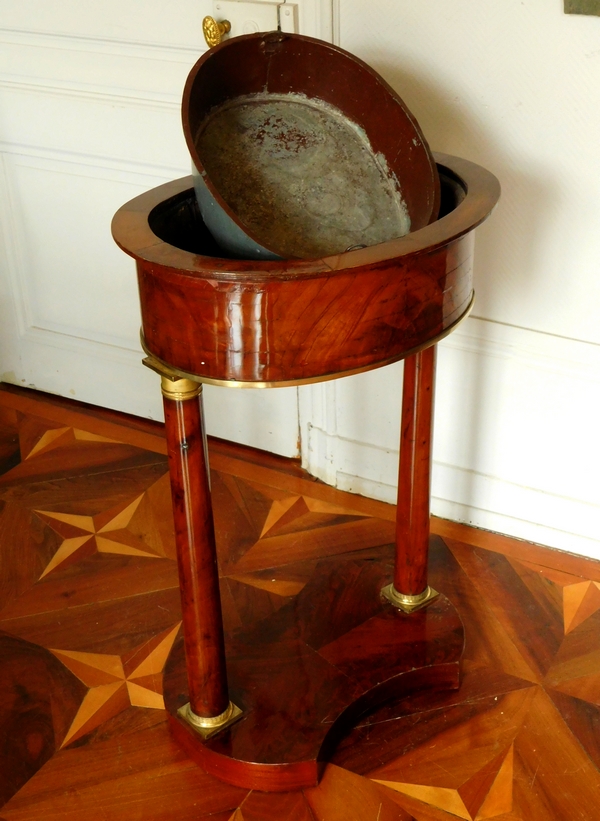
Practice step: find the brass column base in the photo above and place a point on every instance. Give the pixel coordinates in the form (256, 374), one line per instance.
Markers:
(208, 727)
(406, 602)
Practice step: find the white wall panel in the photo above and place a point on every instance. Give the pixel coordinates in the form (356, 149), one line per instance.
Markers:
(90, 117)
(177, 24)
(70, 279)
(515, 86)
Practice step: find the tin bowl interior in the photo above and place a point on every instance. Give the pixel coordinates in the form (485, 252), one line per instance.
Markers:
(301, 150)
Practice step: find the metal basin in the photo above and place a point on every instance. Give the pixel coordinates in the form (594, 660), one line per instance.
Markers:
(300, 150)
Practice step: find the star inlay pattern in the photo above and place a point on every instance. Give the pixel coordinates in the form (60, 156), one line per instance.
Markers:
(117, 682)
(61, 437)
(580, 601)
(104, 533)
(487, 793)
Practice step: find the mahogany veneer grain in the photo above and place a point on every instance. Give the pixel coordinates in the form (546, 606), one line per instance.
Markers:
(196, 558)
(299, 320)
(414, 474)
(305, 673)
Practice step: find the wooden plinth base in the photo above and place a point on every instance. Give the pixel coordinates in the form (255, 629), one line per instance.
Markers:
(305, 674)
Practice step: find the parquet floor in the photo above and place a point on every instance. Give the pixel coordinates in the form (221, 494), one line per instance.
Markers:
(89, 611)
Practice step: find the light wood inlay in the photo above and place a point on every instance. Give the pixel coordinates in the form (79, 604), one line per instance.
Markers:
(121, 520)
(280, 587)
(68, 549)
(580, 601)
(99, 705)
(440, 797)
(47, 439)
(278, 509)
(81, 522)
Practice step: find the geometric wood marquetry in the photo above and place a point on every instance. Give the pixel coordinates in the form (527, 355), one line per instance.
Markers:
(581, 600)
(117, 682)
(293, 513)
(58, 437)
(84, 535)
(87, 621)
(485, 794)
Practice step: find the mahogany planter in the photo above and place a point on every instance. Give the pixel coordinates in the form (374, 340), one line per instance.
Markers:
(319, 663)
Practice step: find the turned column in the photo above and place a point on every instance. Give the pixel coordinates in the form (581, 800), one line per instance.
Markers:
(410, 590)
(209, 708)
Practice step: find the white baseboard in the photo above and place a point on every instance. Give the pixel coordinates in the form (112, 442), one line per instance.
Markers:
(555, 521)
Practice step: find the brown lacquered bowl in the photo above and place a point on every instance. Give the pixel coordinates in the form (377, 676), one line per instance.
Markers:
(302, 149)
(261, 324)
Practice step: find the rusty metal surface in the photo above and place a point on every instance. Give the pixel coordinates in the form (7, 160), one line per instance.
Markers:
(300, 175)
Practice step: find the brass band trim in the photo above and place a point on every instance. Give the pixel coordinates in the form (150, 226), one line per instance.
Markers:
(158, 365)
(406, 602)
(208, 726)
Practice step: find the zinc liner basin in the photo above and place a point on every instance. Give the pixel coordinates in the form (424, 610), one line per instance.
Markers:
(301, 150)
(287, 322)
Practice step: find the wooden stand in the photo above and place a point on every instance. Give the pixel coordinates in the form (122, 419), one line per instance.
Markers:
(349, 642)
(263, 707)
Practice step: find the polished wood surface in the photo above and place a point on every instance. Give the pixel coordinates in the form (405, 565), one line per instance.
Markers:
(307, 672)
(304, 674)
(414, 474)
(300, 320)
(206, 680)
(83, 646)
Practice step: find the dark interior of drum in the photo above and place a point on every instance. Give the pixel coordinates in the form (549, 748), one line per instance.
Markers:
(177, 221)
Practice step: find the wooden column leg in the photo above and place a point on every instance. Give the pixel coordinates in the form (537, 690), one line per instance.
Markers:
(209, 708)
(410, 589)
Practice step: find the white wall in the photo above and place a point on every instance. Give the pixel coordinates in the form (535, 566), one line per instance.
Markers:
(515, 86)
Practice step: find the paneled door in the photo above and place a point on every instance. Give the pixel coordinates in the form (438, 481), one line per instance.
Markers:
(90, 117)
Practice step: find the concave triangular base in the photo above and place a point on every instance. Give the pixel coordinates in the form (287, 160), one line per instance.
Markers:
(304, 675)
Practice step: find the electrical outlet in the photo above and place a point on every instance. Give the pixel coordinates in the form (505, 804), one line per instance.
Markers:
(591, 7)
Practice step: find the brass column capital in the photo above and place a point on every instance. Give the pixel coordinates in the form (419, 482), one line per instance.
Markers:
(179, 390)
(173, 385)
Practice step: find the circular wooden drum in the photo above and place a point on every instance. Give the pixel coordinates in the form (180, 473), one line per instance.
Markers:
(288, 322)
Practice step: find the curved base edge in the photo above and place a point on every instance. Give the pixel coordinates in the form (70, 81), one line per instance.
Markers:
(285, 777)
(155, 363)
(246, 774)
(306, 675)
